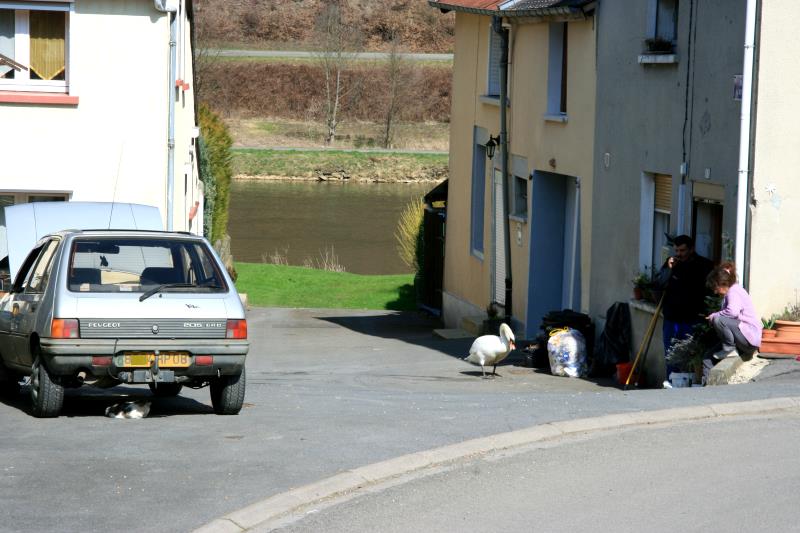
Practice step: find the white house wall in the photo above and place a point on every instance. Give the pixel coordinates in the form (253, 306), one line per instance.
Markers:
(112, 145)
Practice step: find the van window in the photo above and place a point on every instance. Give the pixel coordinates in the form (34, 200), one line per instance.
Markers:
(139, 264)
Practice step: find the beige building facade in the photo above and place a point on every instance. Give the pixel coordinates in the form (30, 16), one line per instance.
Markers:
(774, 242)
(550, 138)
(85, 115)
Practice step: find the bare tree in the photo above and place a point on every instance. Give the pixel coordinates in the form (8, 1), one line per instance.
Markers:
(337, 45)
(399, 78)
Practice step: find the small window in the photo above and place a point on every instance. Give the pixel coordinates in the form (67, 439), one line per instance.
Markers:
(707, 229)
(557, 70)
(478, 198)
(662, 31)
(520, 208)
(495, 53)
(33, 44)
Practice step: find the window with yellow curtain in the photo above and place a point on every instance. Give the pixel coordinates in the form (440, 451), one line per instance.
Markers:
(48, 34)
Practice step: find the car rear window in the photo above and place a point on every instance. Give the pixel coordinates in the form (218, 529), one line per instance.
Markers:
(140, 264)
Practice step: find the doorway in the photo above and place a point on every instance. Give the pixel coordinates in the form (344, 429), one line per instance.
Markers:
(554, 281)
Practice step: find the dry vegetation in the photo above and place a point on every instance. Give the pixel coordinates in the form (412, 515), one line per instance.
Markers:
(296, 91)
(290, 23)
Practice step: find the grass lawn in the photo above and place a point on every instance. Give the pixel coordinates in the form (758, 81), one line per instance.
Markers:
(293, 163)
(266, 132)
(289, 286)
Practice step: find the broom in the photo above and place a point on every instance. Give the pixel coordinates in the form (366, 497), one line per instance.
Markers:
(644, 347)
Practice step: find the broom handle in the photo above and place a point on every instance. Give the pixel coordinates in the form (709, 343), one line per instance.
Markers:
(646, 340)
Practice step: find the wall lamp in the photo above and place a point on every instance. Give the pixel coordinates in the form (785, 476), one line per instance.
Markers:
(491, 144)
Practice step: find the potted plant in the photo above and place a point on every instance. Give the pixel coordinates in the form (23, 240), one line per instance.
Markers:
(768, 331)
(659, 45)
(787, 323)
(685, 355)
(640, 283)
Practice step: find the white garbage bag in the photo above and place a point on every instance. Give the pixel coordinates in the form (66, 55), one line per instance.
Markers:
(566, 350)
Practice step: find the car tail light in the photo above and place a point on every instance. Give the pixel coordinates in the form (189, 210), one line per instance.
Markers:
(237, 329)
(204, 360)
(64, 328)
(99, 360)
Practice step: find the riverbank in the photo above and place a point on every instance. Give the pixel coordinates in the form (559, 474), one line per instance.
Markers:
(290, 286)
(339, 165)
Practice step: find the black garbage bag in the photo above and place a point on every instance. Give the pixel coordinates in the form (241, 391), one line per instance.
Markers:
(614, 344)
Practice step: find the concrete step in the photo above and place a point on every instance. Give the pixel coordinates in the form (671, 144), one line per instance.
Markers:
(453, 333)
(473, 325)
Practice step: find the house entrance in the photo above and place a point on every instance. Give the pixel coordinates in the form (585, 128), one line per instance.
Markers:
(554, 274)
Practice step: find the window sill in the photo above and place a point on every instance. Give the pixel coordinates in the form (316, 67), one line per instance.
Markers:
(518, 218)
(20, 97)
(643, 305)
(556, 117)
(658, 59)
(493, 100)
(477, 255)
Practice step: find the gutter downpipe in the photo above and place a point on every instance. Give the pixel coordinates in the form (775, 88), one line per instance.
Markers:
(497, 26)
(745, 141)
(173, 53)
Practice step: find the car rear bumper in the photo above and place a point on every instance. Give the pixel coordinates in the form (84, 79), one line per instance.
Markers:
(69, 356)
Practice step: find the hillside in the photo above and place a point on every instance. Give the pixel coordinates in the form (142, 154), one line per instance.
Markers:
(289, 24)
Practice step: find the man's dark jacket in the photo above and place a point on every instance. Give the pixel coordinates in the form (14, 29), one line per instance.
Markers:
(685, 285)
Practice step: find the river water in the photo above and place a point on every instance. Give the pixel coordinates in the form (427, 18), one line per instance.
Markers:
(301, 219)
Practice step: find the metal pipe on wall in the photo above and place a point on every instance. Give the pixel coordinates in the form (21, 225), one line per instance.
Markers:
(743, 186)
(497, 26)
(171, 127)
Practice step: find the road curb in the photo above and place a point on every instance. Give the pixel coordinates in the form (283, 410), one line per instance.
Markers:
(349, 481)
(722, 372)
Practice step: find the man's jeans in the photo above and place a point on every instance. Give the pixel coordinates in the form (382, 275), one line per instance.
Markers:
(731, 336)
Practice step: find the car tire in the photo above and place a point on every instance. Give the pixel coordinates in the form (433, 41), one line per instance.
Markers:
(165, 390)
(47, 396)
(227, 394)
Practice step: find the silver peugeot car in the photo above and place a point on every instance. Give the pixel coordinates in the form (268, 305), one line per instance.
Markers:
(110, 307)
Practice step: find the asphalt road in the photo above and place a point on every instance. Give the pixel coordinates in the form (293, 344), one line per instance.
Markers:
(735, 475)
(327, 391)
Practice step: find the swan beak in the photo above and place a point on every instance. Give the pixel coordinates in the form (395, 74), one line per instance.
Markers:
(513, 346)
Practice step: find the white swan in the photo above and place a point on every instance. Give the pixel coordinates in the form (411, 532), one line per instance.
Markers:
(491, 349)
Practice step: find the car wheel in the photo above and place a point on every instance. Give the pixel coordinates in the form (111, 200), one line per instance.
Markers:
(165, 390)
(47, 396)
(227, 394)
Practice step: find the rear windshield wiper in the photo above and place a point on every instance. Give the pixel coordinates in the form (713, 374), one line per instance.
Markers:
(160, 288)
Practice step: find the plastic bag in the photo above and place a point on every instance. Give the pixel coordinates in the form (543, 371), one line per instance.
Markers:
(566, 350)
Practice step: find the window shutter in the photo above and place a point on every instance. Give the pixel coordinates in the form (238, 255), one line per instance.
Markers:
(495, 51)
(663, 195)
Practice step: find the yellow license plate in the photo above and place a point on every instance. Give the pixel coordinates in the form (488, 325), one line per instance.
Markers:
(145, 360)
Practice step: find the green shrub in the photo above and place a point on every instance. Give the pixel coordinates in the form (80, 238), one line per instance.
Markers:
(217, 144)
(409, 235)
(209, 188)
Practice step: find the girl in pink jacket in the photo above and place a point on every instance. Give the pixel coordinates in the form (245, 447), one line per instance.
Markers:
(736, 324)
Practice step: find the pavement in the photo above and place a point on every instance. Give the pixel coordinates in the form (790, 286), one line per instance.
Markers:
(329, 392)
(273, 512)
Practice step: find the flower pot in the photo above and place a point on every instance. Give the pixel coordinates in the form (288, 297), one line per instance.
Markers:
(787, 329)
(768, 333)
(623, 371)
(637, 293)
(681, 379)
